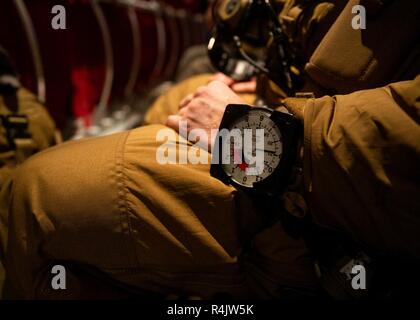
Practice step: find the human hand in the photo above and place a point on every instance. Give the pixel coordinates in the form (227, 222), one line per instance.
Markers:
(237, 86)
(204, 110)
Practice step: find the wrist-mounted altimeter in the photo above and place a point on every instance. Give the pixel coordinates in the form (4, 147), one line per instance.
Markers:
(256, 148)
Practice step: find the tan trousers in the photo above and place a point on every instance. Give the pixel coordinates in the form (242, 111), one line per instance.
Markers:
(106, 203)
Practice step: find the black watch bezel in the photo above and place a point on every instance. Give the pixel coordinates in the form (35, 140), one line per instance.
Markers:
(290, 128)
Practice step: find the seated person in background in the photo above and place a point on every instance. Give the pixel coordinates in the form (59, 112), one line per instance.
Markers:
(17, 145)
(106, 203)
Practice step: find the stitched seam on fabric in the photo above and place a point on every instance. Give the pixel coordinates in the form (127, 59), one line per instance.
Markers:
(367, 68)
(307, 140)
(122, 197)
(333, 74)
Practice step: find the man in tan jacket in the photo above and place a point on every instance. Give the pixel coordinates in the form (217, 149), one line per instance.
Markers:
(106, 206)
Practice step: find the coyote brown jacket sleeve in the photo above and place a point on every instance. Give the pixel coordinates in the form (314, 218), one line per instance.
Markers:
(361, 164)
(41, 128)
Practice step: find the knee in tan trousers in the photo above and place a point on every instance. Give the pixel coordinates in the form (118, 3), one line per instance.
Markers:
(107, 203)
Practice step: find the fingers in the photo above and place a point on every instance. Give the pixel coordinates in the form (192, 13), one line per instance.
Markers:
(244, 87)
(186, 100)
(179, 124)
(222, 78)
(173, 122)
(238, 87)
(213, 87)
(198, 92)
(216, 84)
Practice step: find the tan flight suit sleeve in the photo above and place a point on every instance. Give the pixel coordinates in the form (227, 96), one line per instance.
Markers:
(361, 164)
(41, 127)
(42, 130)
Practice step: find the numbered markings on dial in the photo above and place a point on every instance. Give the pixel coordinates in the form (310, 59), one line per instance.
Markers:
(255, 149)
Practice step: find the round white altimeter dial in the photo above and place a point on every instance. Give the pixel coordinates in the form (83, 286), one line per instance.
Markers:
(255, 148)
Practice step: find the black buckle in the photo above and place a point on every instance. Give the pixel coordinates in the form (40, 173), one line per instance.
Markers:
(16, 128)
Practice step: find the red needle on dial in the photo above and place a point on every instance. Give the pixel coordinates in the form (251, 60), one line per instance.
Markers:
(243, 166)
(239, 158)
